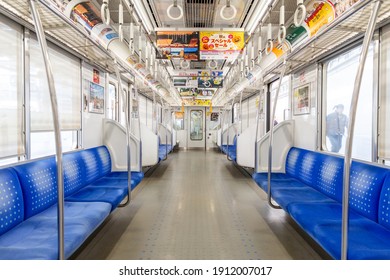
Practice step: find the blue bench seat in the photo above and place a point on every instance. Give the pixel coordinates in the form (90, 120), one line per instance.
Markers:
(28, 202)
(164, 150)
(37, 237)
(311, 192)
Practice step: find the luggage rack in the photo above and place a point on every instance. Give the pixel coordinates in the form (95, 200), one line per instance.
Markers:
(348, 27)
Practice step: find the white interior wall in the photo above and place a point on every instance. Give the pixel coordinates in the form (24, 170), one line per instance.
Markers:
(92, 132)
(306, 124)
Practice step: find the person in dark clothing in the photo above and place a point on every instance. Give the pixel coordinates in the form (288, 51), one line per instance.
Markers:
(336, 123)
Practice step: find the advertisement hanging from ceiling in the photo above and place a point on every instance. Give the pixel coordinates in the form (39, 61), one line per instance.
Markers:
(189, 82)
(178, 44)
(221, 44)
(210, 79)
(86, 15)
(196, 93)
(196, 102)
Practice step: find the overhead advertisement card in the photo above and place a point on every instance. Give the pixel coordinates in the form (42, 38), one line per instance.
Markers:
(178, 44)
(191, 82)
(210, 79)
(221, 44)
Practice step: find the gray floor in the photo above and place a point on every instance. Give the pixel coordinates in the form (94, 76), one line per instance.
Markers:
(198, 205)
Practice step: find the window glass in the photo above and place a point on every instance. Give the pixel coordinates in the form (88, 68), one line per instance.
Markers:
(179, 121)
(11, 89)
(196, 127)
(112, 102)
(43, 143)
(67, 77)
(340, 78)
(282, 106)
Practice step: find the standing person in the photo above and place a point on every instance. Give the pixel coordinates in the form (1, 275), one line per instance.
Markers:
(336, 123)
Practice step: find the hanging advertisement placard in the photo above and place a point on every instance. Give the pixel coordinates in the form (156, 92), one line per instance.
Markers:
(221, 44)
(178, 44)
(210, 79)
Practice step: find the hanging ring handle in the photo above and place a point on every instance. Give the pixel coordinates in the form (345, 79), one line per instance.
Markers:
(269, 47)
(301, 9)
(282, 34)
(105, 13)
(184, 64)
(246, 71)
(223, 9)
(170, 9)
(212, 64)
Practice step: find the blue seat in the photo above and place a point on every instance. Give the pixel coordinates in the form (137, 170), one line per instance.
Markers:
(97, 183)
(311, 192)
(37, 238)
(28, 212)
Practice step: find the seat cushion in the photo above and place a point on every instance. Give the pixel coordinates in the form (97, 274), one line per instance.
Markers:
(278, 180)
(111, 195)
(310, 215)
(285, 196)
(37, 237)
(367, 240)
(136, 176)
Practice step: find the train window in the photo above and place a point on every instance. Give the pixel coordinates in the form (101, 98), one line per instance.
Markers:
(236, 112)
(178, 121)
(11, 92)
(112, 103)
(196, 127)
(282, 108)
(43, 144)
(67, 78)
(340, 75)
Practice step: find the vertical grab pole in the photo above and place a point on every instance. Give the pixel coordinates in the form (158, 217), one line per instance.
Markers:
(352, 114)
(57, 129)
(128, 130)
(271, 137)
(240, 116)
(261, 92)
(228, 132)
(139, 125)
(222, 120)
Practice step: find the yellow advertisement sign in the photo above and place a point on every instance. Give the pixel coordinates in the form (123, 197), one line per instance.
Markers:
(197, 102)
(220, 44)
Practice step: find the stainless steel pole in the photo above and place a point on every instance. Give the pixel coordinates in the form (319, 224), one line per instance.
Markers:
(351, 128)
(271, 137)
(56, 123)
(128, 130)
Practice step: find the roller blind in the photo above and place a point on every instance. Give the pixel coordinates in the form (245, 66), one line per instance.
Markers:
(11, 89)
(66, 71)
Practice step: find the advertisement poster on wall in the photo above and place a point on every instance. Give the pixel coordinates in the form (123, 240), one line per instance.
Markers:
(221, 44)
(178, 44)
(301, 100)
(96, 98)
